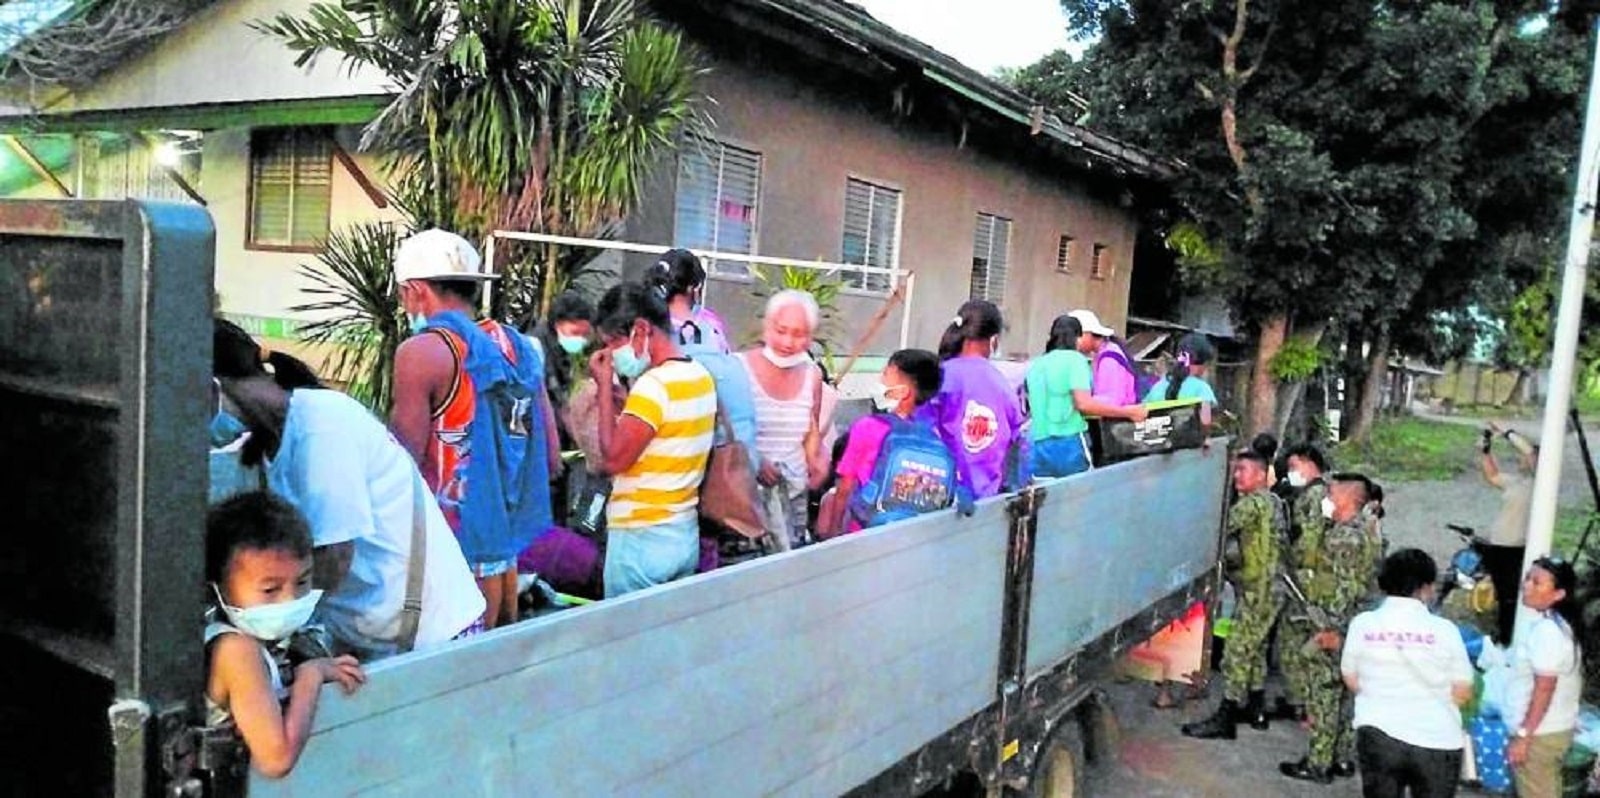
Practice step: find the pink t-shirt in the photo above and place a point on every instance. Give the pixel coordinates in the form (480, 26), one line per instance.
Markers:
(861, 455)
(1113, 382)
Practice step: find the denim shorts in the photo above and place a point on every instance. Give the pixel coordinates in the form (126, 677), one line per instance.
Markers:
(1061, 456)
(638, 558)
(493, 568)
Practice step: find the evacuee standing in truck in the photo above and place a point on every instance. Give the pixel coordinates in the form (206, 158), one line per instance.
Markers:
(913, 474)
(1060, 392)
(258, 566)
(1306, 466)
(977, 409)
(1339, 588)
(1116, 378)
(681, 280)
(656, 449)
(470, 407)
(339, 466)
(1187, 378)
(1257, 527)
(788, 391)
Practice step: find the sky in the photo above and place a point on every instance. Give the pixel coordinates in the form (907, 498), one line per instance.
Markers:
(983, 34)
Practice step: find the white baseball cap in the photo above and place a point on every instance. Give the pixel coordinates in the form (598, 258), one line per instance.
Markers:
(1091, 323)
(438, 255)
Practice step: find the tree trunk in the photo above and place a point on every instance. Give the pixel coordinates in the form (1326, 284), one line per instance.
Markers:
(1519, 389)
(1372, 390)
(1353, 368)
(1290, 394)
(1263, 388)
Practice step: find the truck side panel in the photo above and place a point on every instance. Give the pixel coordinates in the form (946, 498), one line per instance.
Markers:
(795, 675)
(1116, 540)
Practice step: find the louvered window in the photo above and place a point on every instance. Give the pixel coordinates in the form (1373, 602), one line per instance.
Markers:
(871, 234)
(719, 188)
(291, 181)
(1100, 263)
(1064, 255)
(991, 242)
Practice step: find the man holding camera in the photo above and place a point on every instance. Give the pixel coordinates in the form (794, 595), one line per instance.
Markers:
(1507, 536)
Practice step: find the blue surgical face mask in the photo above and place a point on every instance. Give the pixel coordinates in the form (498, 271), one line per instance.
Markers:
(418, 322)
(225, 429)
(271, 622)
(628, 364)
(572, 344)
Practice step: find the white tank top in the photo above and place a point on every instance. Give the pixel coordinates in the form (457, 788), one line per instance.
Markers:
(216, 714)
(781, 425)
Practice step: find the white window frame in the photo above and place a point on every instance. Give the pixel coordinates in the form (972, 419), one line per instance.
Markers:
(1065, 243)
(895, 275)
(1100, 267)
(717, 149)
(991, 292)
(252, 242)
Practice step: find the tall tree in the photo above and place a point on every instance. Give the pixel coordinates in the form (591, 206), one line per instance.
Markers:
(538, 115)
(1326, 142)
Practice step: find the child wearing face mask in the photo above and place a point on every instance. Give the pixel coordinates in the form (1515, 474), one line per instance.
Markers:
(894, 467)
(258, 569)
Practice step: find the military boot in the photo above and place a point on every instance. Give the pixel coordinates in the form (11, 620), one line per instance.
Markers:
(1287, 710)
(1220, 726)
(1255, 711)
(1305, 771)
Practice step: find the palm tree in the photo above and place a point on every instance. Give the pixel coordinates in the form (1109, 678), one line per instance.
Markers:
(540, 115)
(357, 311)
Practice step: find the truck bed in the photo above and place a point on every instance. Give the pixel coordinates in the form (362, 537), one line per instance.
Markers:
(803, 674)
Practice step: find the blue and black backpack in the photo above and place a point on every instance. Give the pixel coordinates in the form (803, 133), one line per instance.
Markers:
(915, 474)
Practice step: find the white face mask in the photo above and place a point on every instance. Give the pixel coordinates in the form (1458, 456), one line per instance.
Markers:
(1327, 508)
(1298, 480)
(271, 622)
(881, 398)
(784, 362)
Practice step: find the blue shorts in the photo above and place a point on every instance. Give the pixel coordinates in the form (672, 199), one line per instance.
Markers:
(493, 568)
(1061, 456)
(647, 556)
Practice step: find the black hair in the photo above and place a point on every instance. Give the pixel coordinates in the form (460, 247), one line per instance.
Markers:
(571, 306)
(977, 320)
(1194, 349)
(925, 370)
(1370, 491)
(1566, 579)
(1253, 455)
(1310, 452)
(676, 273)
(1266, 445)
(1064, 334)
(1405, 572)
(235, 355)
(257, 520)
(628, 302)
(465, 290)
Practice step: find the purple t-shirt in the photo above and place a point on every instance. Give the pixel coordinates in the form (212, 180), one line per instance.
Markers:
(1113, 382)
(977, 414)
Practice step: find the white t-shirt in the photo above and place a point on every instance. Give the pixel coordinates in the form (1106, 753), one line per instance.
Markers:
(1510, 527)
(1406, 659)
(1545, 648)
(342, 468)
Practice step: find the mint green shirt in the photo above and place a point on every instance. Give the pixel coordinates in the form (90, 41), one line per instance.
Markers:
(1052, 378)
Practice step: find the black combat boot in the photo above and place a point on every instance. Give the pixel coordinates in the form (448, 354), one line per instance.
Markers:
(1344, 770)
(1285, 710)
(1220, 726)
(1255, 711)
(1305, 771)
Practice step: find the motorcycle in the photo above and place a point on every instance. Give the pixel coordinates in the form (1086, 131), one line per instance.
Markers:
(1465, 592)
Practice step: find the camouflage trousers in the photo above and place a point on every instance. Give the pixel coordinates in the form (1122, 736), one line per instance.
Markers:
(1314, 677)
(1244, 661)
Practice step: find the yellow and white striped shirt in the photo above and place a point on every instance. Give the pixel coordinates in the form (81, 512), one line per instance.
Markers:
(679, 401)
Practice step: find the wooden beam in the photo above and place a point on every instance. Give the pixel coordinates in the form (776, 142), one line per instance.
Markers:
(21, 151)
(368, 186)
(154, 147)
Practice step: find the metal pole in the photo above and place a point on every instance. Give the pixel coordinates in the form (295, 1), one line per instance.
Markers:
(1563, 358)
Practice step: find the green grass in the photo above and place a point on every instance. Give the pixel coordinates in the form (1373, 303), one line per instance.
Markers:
(1410, 449)
(1570, 522)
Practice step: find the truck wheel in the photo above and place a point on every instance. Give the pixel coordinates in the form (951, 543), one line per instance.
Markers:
(1062, 765)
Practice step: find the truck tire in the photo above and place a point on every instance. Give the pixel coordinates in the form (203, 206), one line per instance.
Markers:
(1061, 767)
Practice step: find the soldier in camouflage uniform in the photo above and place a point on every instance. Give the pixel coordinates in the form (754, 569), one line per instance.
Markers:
(1335, 591)
(1257, 529)
(1307, 526)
